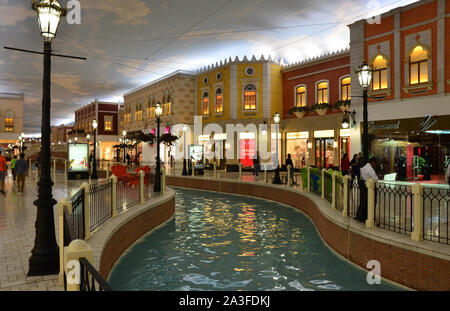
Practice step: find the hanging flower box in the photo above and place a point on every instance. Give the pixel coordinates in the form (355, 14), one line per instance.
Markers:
(299, 112)
(321, 109)
(344, 105)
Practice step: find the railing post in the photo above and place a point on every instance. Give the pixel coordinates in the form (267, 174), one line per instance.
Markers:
(163, 184)
(215, 169)
(288, 175)
(193, 169)
(141, 187)
(113, 179)
(346, 195)
(323, 183)
(54, 170)
(61, 206)
(107, 170)
(240, 171)
(370, 184)
(77, 249)
(308, 187)
(417, 233)
(173, 167)
(87, 211)
(333, 191)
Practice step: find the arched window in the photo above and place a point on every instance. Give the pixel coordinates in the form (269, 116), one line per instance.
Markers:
(9, 121)
(205, 104)
(300, 96)
(322, 93)
(418, 65)
(380, 73)
(346, 88)
(219, 101)
(250, 97)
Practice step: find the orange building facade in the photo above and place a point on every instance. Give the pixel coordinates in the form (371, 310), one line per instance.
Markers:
(409, 104)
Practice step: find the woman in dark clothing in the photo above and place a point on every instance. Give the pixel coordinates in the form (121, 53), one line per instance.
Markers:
(345, 165)
(356, 166)
(289, 162)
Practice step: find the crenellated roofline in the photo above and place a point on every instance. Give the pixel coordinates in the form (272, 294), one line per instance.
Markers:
(317, 59)
(245, 60)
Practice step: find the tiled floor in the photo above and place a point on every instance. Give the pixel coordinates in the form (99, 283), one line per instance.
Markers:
(17, 234)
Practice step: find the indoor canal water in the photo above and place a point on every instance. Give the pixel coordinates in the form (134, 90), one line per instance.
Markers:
(224, 242)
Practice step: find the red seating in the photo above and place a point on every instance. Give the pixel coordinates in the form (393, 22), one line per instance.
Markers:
(120, 172)
(134, 179)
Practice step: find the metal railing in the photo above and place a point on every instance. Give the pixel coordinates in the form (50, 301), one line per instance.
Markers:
(100, 200)
(77, 219)
(339, 193)
(127, 196)
(354, 197)
(328, 187)
(393, 207)
(436, 203)
(90, 279)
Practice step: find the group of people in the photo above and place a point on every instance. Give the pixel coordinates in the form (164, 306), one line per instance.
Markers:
(19, 168)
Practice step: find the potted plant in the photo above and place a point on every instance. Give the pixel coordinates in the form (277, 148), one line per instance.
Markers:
(344, 105)
(321, 109)
(299, 112)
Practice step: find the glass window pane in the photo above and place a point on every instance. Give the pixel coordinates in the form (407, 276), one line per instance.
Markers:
(384, 79)
(414, 73)
(423, 72)
(376, 80)
(418, 54)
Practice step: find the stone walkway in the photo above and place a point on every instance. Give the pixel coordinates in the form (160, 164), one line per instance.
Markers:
(17, 234)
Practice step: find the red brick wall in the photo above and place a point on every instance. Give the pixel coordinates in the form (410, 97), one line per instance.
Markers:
(412, 269)
(418, 14)
(332, 76)
(130, 232)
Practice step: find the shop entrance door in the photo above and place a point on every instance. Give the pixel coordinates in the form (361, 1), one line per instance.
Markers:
(324, 152)
(345, 147)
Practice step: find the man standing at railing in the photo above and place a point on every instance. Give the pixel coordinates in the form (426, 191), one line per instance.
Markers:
(367, 172)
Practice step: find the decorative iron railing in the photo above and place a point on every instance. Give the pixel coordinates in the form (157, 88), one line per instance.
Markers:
(100, 200)
(90, 279)
(436, 203)
(316, 181)
(127, 196)
(328, 187)
(393, 207)
(354, 197)
(77, 219)
(339, 193)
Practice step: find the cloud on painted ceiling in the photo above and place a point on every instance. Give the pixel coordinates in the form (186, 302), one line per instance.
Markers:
(130, 12)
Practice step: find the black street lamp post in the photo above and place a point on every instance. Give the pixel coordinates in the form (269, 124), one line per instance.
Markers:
(364, 73)
(94, 160)
(44, 258)
(158, 112)
(277, 179)
(124, 134)
(185, 172)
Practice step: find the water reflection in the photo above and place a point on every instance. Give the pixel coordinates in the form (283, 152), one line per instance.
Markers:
(225, 242)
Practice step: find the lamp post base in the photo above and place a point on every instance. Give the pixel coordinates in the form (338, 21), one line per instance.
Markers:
(44, 264)
(184, 168)
(277, 179)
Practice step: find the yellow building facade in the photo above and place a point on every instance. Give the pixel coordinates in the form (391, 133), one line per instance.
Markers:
(238, 92)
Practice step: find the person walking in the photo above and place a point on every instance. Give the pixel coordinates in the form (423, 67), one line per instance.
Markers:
(345, 165)
(289, 162)
(3, 171)
(256, 164)
(13, 166)
(21, 171)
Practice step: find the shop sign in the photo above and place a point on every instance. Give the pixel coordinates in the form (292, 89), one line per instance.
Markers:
(297, 135)
(345, 133)
(220, 136)
(247, 135)
(324, 134)
(389, 126)
(203, 138)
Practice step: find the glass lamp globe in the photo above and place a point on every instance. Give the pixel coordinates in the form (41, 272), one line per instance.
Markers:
(94, 124)
(276, 118)
(49, 14)
(345, 122)
(364, 73)
(158, 110)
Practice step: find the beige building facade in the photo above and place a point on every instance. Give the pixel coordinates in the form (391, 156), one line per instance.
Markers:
(11, 118)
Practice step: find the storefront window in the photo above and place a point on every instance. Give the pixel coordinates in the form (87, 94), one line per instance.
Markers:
(297, 147)
(324, 152)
